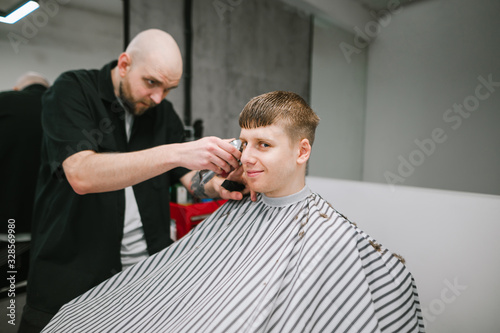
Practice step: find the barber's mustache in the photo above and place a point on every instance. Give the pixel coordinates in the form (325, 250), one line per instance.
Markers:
(149, 104)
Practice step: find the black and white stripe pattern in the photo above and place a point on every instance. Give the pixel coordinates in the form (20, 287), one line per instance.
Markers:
(289, 264)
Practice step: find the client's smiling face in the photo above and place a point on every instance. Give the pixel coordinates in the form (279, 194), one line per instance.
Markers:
(269, 161)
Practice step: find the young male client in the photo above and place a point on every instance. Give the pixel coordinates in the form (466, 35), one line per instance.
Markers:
(287, 262)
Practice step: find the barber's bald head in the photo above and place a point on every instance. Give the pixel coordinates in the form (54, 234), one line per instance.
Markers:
(30, 78)
(147, 71)
(158, 48)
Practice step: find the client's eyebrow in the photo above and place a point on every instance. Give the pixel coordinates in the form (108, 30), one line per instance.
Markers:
(258, 139)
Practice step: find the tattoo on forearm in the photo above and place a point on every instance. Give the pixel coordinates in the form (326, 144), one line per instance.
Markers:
(196, 186)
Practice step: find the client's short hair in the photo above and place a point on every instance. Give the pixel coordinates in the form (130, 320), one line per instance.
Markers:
(283, 108)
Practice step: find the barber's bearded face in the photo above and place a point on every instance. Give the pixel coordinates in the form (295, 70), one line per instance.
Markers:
(136, 106)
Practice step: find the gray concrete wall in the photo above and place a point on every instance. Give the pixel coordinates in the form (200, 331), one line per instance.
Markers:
(249, 49)
(240, 49)
(167, 16)
(338, 90)
(431, 119)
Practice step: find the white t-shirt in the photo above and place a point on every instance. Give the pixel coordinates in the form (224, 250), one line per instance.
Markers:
(134, 247)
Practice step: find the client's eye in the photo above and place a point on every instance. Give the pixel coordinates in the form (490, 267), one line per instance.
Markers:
(264, 145)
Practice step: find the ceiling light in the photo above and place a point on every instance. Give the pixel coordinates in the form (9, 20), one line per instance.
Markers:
(18, 11)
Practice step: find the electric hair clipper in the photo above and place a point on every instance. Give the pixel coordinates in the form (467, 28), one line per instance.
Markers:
(206, 175)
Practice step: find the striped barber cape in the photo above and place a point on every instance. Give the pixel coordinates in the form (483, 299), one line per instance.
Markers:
(290, 264)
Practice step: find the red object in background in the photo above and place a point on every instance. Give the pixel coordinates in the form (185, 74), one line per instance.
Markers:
(187, 216)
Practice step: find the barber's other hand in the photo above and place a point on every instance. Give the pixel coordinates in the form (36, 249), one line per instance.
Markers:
(210, 153)
(237, 176)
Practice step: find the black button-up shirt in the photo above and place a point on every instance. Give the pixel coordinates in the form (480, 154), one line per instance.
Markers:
(76, 239)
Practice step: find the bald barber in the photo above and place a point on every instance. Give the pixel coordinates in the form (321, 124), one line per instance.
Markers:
(112, 146)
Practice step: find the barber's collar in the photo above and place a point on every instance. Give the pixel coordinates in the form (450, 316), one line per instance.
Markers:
(105, 84)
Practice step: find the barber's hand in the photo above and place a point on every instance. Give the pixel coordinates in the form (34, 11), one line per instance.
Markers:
(236, 176)
(210, 153)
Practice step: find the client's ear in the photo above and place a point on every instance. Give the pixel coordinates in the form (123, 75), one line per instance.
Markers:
(304, 151)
